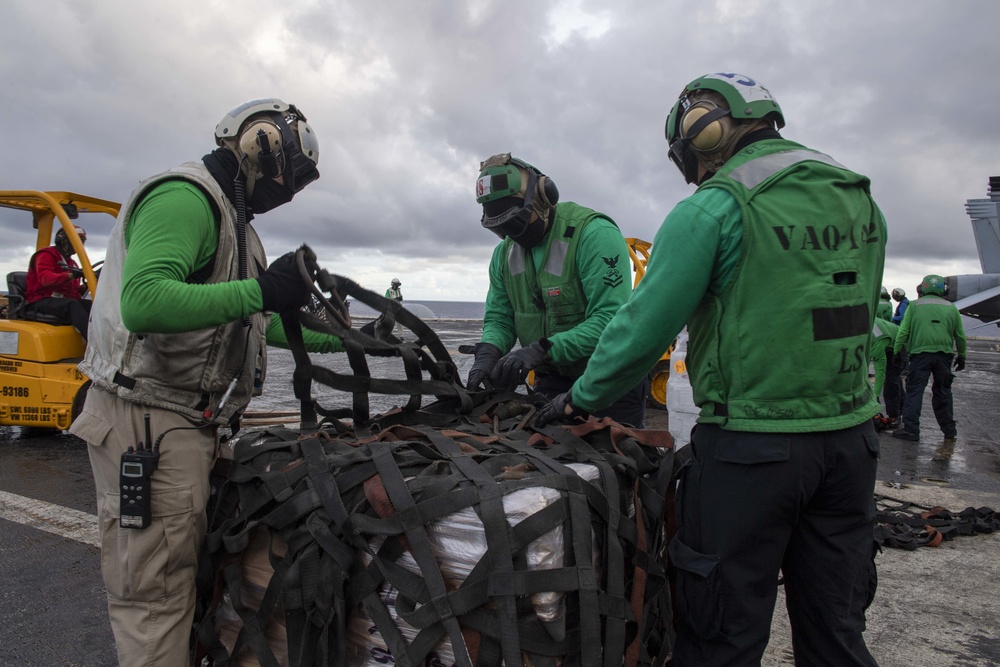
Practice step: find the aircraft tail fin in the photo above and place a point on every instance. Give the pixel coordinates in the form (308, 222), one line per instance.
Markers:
(985, 215)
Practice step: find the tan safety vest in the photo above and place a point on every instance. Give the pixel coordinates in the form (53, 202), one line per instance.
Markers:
(184, 372)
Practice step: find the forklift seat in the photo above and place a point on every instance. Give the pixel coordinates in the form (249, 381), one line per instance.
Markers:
(18, 307)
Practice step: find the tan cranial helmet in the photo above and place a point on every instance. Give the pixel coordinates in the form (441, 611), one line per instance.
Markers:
(272, 139)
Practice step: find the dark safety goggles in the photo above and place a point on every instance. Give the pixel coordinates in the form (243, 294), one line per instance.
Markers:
(513, 220)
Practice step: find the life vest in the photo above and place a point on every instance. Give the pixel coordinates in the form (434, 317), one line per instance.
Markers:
(184, 372)
(784, 348)
(550, 300)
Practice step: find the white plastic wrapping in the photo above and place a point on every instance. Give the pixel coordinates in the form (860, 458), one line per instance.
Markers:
(458, 541)
(681, 410)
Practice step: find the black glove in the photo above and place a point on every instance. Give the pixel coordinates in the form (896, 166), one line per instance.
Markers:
(959, 364)
(71, 270)
(487, 356)
(514, 367)
(282, 287)
(560, 408)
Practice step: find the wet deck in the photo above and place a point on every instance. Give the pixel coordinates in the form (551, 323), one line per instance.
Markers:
(934, 607)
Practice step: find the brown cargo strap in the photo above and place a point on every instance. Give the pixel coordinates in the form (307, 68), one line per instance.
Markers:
(332, 497)
(905, 525)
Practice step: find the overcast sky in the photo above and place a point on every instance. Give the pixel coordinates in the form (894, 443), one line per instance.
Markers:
(408, 97)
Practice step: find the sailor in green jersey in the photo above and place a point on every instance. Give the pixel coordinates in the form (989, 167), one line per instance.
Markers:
(884, 305)
(775, 265)
(396, 294)
(559, 274)
(178, 332)
(933, 336)
(887, 371)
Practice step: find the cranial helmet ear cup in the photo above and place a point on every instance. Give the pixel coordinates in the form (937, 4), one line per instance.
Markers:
(251, 138)
(548, 193)
(711, 136)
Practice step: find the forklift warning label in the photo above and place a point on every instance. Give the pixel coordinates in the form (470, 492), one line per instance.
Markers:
(8, 343)
(9, 366)
(29, 414)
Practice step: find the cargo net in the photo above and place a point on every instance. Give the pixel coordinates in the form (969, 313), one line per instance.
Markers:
(449, 534)
(429, 369)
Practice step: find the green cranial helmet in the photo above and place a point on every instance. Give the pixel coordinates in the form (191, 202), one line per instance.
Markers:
(933, 284)
(692, 115)
(510, 190)
(500, 176)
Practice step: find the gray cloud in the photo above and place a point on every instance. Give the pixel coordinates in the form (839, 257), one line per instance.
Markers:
(407, 98)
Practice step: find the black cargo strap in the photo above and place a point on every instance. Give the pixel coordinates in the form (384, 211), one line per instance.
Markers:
(333, 497)
(124, 381)
(906, 525)
(427, 354)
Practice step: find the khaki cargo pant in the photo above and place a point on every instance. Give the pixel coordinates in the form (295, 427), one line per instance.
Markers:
(149, 573)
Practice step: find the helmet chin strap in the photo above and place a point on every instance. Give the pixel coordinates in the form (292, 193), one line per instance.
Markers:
(241, 226)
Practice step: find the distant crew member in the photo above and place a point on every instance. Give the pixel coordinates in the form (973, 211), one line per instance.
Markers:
(558, 275)
(396, 294)
(884, 309)
(933, 338)
(887, 373)
(55, 283)
(901, 303)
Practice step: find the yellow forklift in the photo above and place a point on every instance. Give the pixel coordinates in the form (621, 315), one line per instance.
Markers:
(638, 251)
(40, 385)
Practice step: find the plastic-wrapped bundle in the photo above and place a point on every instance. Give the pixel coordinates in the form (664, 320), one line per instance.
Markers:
(475, 543)
(459, 542)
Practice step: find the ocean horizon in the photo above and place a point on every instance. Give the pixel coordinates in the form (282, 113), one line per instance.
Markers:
(475, 310)
(439, 310)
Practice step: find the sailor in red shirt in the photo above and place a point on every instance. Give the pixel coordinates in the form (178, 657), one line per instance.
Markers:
(55, 283)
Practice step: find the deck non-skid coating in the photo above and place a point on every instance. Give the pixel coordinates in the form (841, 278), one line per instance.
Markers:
(934, 606)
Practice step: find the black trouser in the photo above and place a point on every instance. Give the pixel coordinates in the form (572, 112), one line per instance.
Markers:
(629, 409)
(892, 390)
(70, 311)
(752, 504)
(923, 367)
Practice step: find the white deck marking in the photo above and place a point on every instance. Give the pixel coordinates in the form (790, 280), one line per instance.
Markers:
(62, 521)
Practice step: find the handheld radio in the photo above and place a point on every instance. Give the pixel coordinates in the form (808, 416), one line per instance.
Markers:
(135, 483)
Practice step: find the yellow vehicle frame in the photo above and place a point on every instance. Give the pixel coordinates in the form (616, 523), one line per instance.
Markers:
(638, 251)
(40, 385)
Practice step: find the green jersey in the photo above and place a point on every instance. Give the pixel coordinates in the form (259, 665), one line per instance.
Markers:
(883, 343)
(931, 324)
(173, 233)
